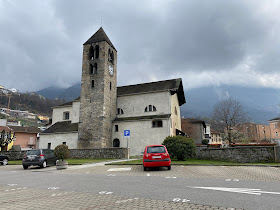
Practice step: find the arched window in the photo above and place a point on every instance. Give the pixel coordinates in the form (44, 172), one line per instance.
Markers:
(96, 51)
(150, 108)
(116, 143)
(119, 111)
(157, 123)
(91, 53)
(91, 69)
(111, 56)
(95, 68)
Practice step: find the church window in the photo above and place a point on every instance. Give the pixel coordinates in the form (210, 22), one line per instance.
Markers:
(95, 68)
(92, 83)
(111, 56)
(91, 53)
(66, 115)
(116, 143)
(64, 142)
(116, 128)
(91, 69)
(119, 111)
(96, 51)
(150, 108)
(49, 145)
(157, 123)
(176, 113)
(110, 85)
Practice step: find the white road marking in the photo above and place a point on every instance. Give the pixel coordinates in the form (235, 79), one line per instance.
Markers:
(53, 188)
(119, 169)
(227, 180)
(238, 190)
(105, 192)
(148, 174)
(87, 172)
(111, 175)
(12, 184)
(173, 177)
(236, 180)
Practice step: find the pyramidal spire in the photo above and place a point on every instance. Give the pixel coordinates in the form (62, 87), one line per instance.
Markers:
(99, 36)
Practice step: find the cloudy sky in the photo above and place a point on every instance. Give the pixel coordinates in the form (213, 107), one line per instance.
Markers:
(204, 42)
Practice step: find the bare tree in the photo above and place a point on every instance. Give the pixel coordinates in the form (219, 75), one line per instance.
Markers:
(227, 114)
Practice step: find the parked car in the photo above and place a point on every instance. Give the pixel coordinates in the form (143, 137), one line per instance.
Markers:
(156, 156)
(4, 160)
(39, 157)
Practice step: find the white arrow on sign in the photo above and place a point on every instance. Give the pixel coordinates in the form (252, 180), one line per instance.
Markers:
(238, 190)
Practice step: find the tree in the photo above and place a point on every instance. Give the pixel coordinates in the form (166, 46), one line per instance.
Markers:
(226, 115)
(5, 139)
(180, 147)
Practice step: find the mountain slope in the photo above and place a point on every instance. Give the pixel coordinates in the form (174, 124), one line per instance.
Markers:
(261, 104)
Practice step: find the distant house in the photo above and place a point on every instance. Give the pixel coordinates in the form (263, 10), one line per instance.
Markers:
(274, 125)
(196, 129)
(216, 138)
(26, 137)
(253, 132)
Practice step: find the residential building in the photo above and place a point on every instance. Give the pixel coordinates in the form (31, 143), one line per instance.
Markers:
(253, 132)
(274, 125)
(216, 138)
(25, 137)
(196, 129)
(98, 118)
(6, 129)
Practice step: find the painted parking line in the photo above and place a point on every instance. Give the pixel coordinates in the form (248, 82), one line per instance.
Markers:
(119, 169)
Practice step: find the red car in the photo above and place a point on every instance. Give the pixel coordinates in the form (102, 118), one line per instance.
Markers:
(155, 156)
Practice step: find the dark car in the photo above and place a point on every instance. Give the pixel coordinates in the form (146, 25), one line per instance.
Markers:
(4, 160)
(39, 157)
(156, 156)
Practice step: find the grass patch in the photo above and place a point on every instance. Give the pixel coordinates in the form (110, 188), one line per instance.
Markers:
(194, 162)
(70, 161)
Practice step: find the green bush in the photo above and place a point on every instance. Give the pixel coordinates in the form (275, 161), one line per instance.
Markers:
(180, 147)
(62, 152)
(205, 141)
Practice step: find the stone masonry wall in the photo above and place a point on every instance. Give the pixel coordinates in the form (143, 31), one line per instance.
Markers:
(102, 153)
(250, 154)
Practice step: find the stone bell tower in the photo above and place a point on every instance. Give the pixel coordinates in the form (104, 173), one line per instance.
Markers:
(98, 92)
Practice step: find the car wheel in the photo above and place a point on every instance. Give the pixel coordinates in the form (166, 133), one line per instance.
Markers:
(5, 162)
(169, 167)
(25, 167)
(44, 165)
(145, 168)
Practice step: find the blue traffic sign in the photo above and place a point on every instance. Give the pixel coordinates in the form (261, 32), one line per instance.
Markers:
(126, 132)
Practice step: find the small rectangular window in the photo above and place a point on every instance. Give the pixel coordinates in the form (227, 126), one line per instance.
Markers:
(116, 128)
(157, 123)
(92, 83)
(64, 143)
(49, 145)
(66, 115)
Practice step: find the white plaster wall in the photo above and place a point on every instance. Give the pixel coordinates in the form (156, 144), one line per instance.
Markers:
(134, 105)
(176, 119)
(56, 139)
(142, 134)
(75, 112)
(57, 115)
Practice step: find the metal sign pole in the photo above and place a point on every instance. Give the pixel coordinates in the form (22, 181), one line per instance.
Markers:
(127, 149)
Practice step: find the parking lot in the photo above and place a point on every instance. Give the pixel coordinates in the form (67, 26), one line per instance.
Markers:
(98, 186)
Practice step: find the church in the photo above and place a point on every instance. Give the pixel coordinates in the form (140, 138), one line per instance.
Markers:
(98, 118)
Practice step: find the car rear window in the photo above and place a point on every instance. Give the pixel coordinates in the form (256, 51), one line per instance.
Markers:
(33, 152)
(157, 149)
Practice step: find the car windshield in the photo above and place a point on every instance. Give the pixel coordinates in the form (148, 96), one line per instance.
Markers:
(33, 152)
(157, 149)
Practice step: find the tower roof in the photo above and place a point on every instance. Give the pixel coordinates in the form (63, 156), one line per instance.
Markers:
(99, 36)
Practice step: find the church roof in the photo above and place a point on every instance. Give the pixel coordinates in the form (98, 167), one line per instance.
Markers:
(62, 127)
(99, 36)
(173, 85)
(147, 117)
(20, 129)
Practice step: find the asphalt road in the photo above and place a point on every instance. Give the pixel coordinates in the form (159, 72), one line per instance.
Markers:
(245, 188)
